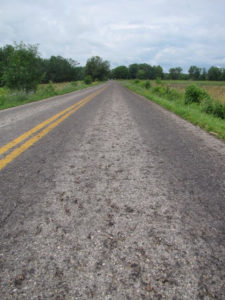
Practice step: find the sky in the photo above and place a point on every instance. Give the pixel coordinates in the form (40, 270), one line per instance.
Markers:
(169, 33)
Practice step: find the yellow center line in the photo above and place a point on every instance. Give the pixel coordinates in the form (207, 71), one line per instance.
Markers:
(25, 135)
(15, 153)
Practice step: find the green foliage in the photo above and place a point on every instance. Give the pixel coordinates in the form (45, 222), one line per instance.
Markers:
(23, 72)
(136, 81)
(214, 73)
(132, 70)
(156, 72)
(88, 79)
(194, 73)
(80, 73)
(172, 94)
(158, 80)
(59, 69)
(141, 74)
(120, 72)
(193, 94)
(193, 113)
(97, 68)
(159, 90)
(144, 71)
(147, 84)
(175, 73)
(50, 90)
(213, 107)
(14, 98)
(5, 54)
(74, 83)
(219, 110)
(207, 105)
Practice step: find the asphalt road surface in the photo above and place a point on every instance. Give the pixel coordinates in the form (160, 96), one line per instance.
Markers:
(105, 195)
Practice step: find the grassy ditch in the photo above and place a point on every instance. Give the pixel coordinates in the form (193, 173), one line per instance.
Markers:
(15, 98)
(205, 112)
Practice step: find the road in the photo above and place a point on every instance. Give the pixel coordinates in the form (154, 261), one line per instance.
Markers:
(106, 195)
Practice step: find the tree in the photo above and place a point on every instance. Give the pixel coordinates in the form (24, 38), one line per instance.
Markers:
(80, 73)
(5, 54)
(175, 73)
(147, 74)
(133, 70)
(194, 72)
(141, 74)
(120, 72)
(214, 73)
(97, 68)
(203, 74)
(59, 69)
(23, 69)
(223, 74)
(157, 72)
(88, 79)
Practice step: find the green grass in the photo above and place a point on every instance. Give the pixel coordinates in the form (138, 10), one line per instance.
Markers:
(175, 103)
(15, 98)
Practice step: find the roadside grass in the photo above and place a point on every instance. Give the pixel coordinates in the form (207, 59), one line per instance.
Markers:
(15, 98)
(173, 100)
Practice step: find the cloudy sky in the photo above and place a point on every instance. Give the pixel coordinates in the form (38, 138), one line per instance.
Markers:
(166, 32)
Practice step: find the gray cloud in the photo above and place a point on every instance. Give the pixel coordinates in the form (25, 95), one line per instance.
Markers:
(169, 33)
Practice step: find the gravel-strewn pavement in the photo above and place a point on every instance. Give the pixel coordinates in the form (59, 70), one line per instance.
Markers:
(121, 201)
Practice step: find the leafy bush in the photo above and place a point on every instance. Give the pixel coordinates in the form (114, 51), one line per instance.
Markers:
(219, 110)
(213, 107)
(158, 80)
(147, 84)
(23, 71)
(88, 79)
(159, 90)
(50, 90)
(167, 92)
(136, 81)
(207, 105)
(194, 94)
(172, 94)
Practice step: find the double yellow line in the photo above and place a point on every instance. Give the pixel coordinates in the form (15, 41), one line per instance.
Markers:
(51, 122)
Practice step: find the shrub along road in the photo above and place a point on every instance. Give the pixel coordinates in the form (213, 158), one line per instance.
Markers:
(109, 196)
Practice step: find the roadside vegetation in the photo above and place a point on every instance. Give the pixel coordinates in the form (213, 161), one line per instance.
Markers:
(216, 89)
(9, 98)
(194, 103)
(26, 77)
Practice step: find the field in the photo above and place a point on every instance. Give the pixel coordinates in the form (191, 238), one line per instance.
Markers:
(216, 89)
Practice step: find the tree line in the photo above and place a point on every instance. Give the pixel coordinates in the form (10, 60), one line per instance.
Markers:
(146, 71)
(22, 67)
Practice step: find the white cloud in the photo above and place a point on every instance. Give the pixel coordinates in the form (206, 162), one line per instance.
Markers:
(169, 33)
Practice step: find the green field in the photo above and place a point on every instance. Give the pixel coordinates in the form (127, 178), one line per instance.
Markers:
(14, 98)
(170, 94)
